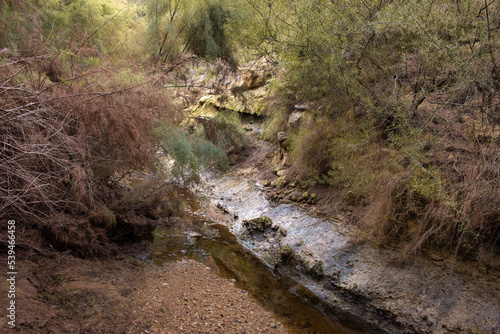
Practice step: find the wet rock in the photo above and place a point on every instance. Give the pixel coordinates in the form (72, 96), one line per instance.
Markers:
(260, 224)
(362, 279)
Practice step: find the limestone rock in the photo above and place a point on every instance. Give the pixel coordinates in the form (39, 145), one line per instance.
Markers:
(294, 119)
(252, 79)
(260, 224)
(301, 107)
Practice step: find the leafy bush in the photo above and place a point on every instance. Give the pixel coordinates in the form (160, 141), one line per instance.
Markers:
(186, 153)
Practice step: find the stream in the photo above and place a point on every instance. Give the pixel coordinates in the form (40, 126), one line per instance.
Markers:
(214, 246)
(317, 276)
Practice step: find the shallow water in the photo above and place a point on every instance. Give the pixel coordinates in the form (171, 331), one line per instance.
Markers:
(214, 246)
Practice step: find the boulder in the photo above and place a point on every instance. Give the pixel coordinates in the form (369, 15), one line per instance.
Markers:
(294, 119)
(252, 79)
(260, 224)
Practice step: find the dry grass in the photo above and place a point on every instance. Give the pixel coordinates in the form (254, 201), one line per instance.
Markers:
(64, 147)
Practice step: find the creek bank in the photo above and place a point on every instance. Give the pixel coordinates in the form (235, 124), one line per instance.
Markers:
(416, 296)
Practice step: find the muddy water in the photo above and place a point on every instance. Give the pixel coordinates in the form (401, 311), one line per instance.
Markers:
(214, 246)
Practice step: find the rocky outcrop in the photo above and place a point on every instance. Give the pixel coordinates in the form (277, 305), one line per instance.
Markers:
(242, 91)
(356, 278)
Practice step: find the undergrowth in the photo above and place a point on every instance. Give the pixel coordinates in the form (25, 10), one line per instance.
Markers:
(76, 124)
(418, 188)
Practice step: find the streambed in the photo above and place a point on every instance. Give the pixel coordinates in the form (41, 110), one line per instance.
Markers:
(357, 279)
(317, 275)
(214, 246)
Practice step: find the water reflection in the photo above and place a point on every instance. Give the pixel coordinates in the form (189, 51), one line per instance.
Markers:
(215, 247)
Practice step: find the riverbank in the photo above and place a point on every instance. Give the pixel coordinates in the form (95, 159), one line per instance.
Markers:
(353, 276)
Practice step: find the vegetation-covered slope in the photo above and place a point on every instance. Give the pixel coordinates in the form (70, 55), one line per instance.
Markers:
(404, 103)
(81, 111)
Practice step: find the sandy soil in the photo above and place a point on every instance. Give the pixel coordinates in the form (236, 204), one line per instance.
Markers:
(191, 298)
(64, 294)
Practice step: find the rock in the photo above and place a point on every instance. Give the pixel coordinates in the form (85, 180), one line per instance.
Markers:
(272, 325)
(252, 79)
(357, 276)
(282, 136)
(222, 208)
(204, 99)
(305, 196)
(316, 270)
(312, 198)
(265, 183)
(282, 181)
(351, 198)
(281, 172)
(295, 196)
(232, 158)
(305, 324)
(294, 119)
(286, 253)
(260, 224)
(301, 107)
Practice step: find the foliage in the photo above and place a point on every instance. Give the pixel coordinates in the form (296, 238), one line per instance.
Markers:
(186, 153)
(176, 26)
(386, 80)
(205, 32)
(78, 111)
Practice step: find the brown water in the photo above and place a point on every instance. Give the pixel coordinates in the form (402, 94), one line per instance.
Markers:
(214, 246)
